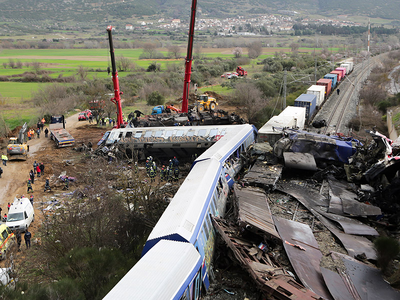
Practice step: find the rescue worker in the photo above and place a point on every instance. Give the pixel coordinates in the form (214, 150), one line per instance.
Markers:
(47, 185)
(46, 133)
(41, 167)
(31, 199)
(66, 181)
(27, 238)
(338, 91)
(163, 173)
(147, 166)
(18, 235)
(29, 135)
(4, 158)
(175, 162)
(152, 174)
(43, 121)
(170, 164)
(38, 170)
(176, 174)
(38, 132)
(34, 167)
(32, 176)
(154, 166)
(29, 184)
(170, 174)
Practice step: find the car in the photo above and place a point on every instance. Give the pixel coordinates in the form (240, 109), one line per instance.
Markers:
(82, 116)
(230, 75)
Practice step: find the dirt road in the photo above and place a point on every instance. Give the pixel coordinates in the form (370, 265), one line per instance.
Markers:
(14, 179)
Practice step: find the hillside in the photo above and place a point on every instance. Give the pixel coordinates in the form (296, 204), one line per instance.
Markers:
(100, 11)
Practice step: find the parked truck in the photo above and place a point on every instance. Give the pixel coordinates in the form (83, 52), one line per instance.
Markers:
(59, 134)
(240, 71)
(17, 147)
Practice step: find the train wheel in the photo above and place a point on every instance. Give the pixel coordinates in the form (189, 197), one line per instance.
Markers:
(212, 106)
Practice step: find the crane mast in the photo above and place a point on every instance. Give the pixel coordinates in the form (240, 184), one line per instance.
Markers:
(189, 58)
(117, 92)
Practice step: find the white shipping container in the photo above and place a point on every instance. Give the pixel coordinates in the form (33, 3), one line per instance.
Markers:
(351, 64)
(291, 117)
(319, 91)
(347, 66)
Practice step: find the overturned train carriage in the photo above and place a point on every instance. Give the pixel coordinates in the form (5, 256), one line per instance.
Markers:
(169, 141)
(186, 221)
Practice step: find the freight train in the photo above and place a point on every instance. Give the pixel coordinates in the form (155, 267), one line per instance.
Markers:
(176, 259)
(317, 94)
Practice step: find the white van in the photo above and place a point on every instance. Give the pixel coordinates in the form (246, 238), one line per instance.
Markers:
(20, 215)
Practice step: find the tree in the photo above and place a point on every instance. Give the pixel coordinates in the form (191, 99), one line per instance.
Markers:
(238, 52)
(123, 63)
(250, 99)
(149, 49)
(255, 49)
(294, 47)
(82, 72)
(174, 51)
(155, 98)
(36, 66)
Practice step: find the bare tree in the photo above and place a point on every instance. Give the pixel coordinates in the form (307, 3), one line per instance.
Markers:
(150, 50)
(123, 63)
(82, 72)
(294, 47)
(255, 49)
(174, 51)
(250, 99)
(36, 66)
(238, 52)
(11, 63)
(198, 51)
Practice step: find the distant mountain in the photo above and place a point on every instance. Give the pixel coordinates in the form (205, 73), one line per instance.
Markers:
(98, 11)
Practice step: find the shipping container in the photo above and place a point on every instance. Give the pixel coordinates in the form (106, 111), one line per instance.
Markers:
(308, 101)
(332, 77)
(319, 91)
(328, 85)
(346, 66)
(343, 70)
(290, 117)
(339, 76)
(350, 62)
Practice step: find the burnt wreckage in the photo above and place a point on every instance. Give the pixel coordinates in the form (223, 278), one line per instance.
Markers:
(324, 218)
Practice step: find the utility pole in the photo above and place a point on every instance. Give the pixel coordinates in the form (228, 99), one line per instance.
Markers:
(284, 89)
(369, 34)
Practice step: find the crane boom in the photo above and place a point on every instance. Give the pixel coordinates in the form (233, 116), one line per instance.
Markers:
(189, 58)
(117, 92)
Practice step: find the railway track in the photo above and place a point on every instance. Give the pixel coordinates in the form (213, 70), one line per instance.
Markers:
(339, 109)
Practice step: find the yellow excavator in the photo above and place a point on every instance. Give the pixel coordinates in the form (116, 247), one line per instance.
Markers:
(17, 147)
(205, 102)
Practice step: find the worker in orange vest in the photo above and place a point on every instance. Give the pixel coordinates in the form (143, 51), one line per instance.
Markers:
(29, 135)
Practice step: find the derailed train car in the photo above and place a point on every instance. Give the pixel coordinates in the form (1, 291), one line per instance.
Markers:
(185, 227)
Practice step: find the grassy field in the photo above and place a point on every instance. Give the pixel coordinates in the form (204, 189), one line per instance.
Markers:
(15, 96)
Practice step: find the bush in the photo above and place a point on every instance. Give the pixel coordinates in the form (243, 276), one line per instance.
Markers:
(155, 98)
(387, 249)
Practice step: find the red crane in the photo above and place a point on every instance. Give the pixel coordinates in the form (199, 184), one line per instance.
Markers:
(189, 58)
(117, 92)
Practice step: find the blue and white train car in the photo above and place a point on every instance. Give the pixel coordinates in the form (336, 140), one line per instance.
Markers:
(187, 220)
(229, 148)
(170, 270)
(187, 217)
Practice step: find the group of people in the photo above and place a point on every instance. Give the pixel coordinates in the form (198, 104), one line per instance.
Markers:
(167, 173)
(38, 170)
(39, 128)
(27, 238)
